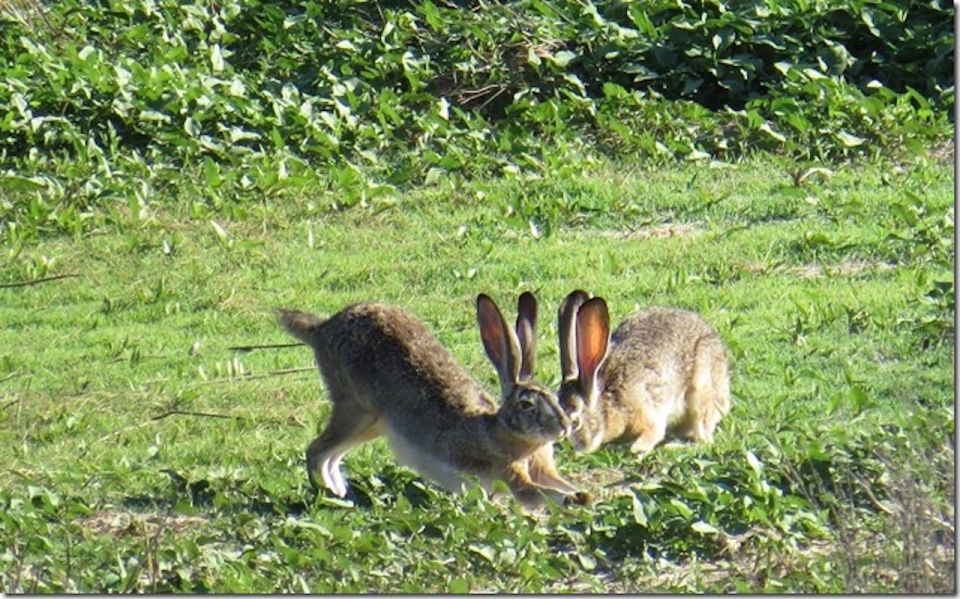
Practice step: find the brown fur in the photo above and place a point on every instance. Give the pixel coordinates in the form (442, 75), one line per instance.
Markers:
(665, 373)
(386, 374)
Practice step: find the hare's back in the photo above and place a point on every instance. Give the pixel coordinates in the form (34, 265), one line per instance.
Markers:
(662, 327)
(655, 350)
(385, 356)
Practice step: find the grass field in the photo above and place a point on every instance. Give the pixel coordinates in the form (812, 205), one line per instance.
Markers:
(138, 452)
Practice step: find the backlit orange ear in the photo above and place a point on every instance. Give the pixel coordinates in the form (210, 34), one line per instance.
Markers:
(593, 338)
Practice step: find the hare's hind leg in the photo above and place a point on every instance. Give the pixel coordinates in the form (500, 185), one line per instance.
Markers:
(333, 466)
(349, 426)
(721, 381)
(708, 397)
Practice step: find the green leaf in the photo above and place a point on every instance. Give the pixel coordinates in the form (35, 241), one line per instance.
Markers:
(587, 562)
(783, 67)
(848, 140)
(486, 551)
(219, 230)
(14, 182)
(562, 58)
(766, 129)
(216, 58)
(683, 509)
(211, 173)
(754, 463)
(639, 514)
(691, 85)
(639, 17)
(307, 525)
(867, 19)
(703, 528)
(859, 399)
(184, 508)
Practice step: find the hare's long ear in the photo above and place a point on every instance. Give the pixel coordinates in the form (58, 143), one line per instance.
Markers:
(500, 343)
(593, 339)
(566, 327)
(527, 333)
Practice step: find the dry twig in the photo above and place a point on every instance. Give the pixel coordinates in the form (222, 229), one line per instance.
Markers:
(37, 281)
(246, 348)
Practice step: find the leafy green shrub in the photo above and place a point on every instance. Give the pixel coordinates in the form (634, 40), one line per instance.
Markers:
(256, 97)
(723, 54)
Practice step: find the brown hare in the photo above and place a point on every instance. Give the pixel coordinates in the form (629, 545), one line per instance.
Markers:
(663, 371)
(387, 375)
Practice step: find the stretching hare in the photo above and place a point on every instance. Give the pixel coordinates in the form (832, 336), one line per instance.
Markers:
(387, 375)
(664, 371)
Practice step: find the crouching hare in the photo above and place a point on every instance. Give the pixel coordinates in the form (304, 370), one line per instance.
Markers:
(663, 372)
(387, 375)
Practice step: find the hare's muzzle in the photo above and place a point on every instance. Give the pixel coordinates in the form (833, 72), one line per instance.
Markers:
(567, 425)
(576, 422)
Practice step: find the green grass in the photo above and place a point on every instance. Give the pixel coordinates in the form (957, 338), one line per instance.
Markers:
(139, 453)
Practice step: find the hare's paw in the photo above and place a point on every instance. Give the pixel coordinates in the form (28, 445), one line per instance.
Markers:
(649, 439)
(583, 498)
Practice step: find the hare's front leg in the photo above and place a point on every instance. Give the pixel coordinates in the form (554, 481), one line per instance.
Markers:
(532, 495)
(652, 434)
(543, 471)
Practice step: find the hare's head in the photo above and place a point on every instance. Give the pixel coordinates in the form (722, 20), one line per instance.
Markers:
(584, 330)
(532, 411)
(527, 409)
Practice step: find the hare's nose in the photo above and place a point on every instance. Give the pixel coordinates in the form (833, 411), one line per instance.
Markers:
(570, 426)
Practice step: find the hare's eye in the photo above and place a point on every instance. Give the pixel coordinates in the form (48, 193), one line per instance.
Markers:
(576, 421)
(526, 404)
(572, 404)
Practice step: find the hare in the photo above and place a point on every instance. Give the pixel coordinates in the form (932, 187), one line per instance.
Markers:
(664, 371)
(387, 375)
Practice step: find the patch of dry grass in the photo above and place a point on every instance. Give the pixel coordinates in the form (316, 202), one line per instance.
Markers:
(122, 523)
